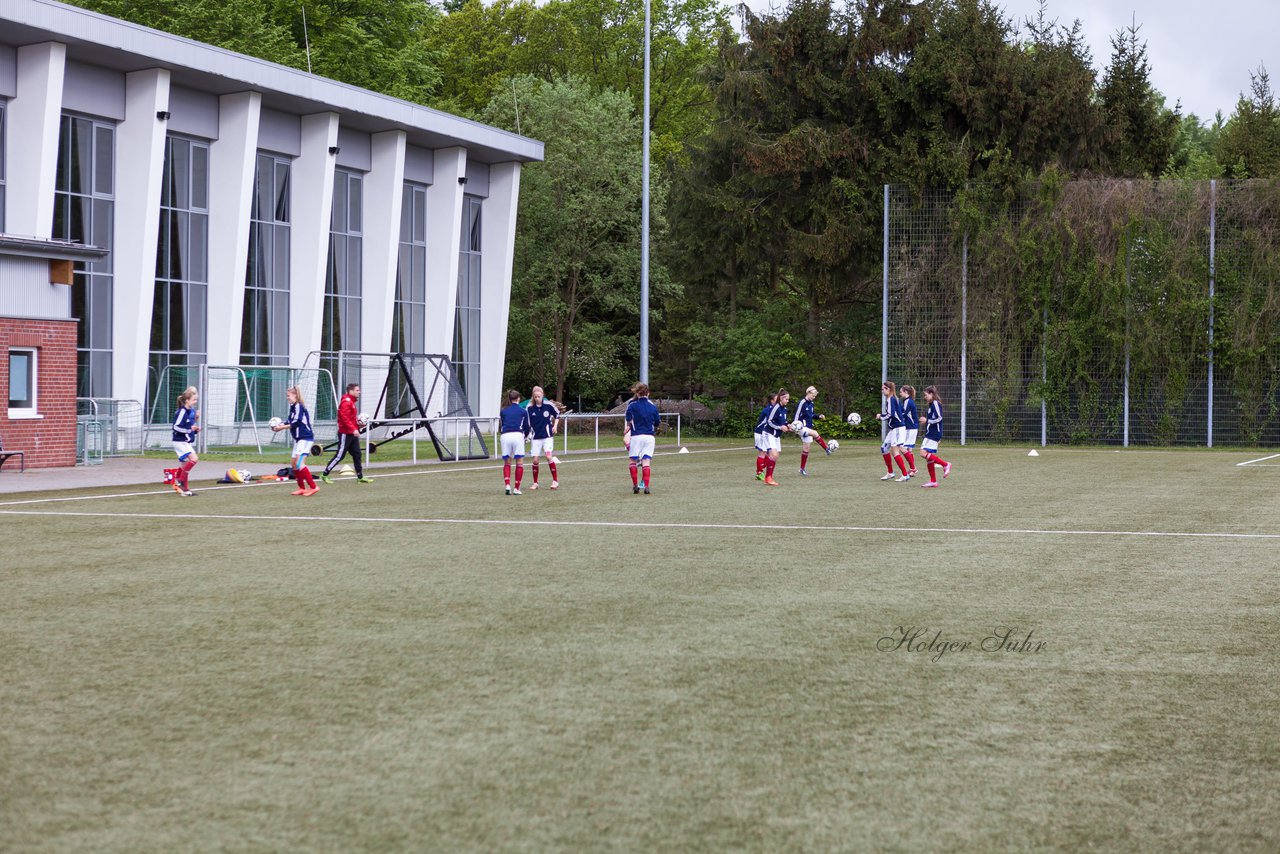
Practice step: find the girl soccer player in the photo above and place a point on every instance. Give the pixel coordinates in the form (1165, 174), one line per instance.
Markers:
(185, 427)
(932, 436)
(642, 417)
(762, 444)
(299, 426)
(808, 435)
(893, 439)
(910, 427)
(514, 421)
(774, 426)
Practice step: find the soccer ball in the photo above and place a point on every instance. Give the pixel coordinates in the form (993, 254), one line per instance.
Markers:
(274, 422)
(854, 419)
(797, 426)
(834, 444)
(362, 419)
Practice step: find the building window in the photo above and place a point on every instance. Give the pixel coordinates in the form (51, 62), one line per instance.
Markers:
(22, 383)
(409, 334)
(2, 159)
(340, 326)
(83, 211)
(264, 332)
(466, 324)
(179, 307)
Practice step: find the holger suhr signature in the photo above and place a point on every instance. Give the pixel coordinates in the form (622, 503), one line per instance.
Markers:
(935, 644)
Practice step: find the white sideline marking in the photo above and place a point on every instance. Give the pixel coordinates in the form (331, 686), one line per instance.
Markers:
(1258, 460)
(858, 529)
(489, 467)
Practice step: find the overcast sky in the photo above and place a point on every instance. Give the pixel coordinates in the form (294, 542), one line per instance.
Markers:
(1200, 53)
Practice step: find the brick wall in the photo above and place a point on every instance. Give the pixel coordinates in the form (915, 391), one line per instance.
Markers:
(50, 440)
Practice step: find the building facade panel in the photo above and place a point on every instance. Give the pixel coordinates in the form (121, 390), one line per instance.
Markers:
(93, 91)
(25, 290)
(8, 72)
(48, 438)
(280, 133)
(193, 113)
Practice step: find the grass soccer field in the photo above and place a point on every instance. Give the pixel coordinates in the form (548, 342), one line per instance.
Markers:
(1064, 652)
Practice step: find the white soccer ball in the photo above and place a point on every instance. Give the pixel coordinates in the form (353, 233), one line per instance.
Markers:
(834, 444)
(854, 419)
(274, 422)
(797, 426)
(363, 418)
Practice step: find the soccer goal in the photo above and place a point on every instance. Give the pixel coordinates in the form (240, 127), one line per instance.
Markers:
(237, 402)
(406, 394)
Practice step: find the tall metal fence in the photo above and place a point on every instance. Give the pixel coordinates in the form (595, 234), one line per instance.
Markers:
(1111, 312)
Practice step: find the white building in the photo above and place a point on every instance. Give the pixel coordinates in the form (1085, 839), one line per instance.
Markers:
(251, 213)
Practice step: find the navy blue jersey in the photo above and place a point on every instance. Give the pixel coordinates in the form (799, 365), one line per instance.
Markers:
(642, 415)
(933, 424)
(909, 418)
(894, 415)
(763, 421)
(775, 420)
(804, 411)
(514, 419)
(299, 422)
(184, 425)
(541, 419)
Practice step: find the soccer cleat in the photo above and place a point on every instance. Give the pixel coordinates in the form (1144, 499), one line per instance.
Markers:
(324, 478)
(770, 481)
(803, 472)
(646, 490)
(508, 488)
(903, 478)
(946, 470)
(515, 492)
(364, 480)
(912, 473)
(888, 476)
(555, 484)
(187, 493)
(932, 483)
(177, 487)
(533, 485)
(759, 475)
(635, 490)
(312, 491)
(299, 491)
(828, 449)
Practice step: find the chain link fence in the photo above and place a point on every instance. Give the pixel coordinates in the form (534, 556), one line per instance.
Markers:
(1090, 312)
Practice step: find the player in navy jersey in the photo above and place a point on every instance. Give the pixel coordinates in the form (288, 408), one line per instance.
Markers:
(775, 425)
(642, 423)
(891, 449)
(808, 435)
(932, 436)
(299, 426)
(543, 420)
(514, 429)
(910, 427)
(762, 446)
(185, 427)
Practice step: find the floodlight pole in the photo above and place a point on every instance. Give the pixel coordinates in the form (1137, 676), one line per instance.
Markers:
(644, 213)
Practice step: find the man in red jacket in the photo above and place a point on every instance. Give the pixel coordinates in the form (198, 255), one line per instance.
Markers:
(348, 435)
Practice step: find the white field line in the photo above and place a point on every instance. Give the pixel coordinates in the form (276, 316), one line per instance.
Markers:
(719, 526)
(1258, 460)
(379, 476)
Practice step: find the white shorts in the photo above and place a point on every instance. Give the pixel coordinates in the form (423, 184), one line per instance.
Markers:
(512, 445)
(182, 449)
(538, 447)
(896, 436)
(770, 442)
(759, 440)
(929, 445)
(642, 447)
(806, 434)
(909, 438)
(302, 447)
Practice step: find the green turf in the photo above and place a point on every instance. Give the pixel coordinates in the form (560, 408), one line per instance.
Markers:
(336, 683)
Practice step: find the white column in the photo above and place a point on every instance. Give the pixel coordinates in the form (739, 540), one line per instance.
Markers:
(383, 194)
(33, 118)
(139, 171)
(444, 232)
(310, 204)
(232, 165)
(498, 244)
